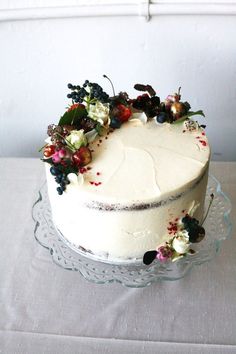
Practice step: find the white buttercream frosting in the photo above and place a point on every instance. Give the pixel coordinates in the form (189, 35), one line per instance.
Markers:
(134, 165)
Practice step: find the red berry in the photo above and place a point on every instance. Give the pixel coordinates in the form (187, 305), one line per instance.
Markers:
(49, 150)
(124, 112)
(74, 106)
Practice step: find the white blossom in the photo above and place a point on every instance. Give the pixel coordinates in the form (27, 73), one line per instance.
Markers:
(181, 242)
(76, 179)
(76, 138)
(99, 112)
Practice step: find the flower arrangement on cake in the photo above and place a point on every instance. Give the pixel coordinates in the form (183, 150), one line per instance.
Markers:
(186, 231)
(93, 115)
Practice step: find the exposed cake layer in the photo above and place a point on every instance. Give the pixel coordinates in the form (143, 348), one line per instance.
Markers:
(142, 177)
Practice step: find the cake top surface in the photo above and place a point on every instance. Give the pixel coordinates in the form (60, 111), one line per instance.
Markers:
(144, 162)
(118, 150)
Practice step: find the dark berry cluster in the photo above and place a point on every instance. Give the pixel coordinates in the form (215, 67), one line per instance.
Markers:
(54, 129)
(86, 124)
(60, 178)
(147, 104)
(121, 98)
(93, 90)
(56, 134)
(196, 232)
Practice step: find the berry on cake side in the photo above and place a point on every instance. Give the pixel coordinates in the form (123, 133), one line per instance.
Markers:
(123, 169)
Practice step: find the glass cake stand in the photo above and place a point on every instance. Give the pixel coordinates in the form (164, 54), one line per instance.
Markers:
(218, 228)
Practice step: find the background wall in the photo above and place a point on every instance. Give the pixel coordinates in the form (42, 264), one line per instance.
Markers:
(39, 57)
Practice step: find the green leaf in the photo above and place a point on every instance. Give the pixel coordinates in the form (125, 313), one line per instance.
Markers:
(48, 160)
(189, 114)
(73, 117)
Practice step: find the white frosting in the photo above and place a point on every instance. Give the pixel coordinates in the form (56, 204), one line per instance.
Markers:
(136, 165)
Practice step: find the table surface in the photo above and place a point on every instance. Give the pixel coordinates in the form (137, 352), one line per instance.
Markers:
(46, 309)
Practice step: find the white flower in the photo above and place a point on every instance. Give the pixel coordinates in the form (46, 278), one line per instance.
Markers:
(139, 117)
(99, 112)
(76, 138)
(76, 179)
(181, 242)
(91, 135)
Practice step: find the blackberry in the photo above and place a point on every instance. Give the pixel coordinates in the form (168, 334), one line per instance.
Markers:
(196, 233)
(150, 105)
(86, 124)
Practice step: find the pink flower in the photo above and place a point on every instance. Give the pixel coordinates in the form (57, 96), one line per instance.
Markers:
(62, 153)
(164, 253)
(56, 157)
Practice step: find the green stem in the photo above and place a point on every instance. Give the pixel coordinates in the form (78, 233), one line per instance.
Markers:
(111, 84)
(68, 143)
(89, 102)
(208, 209)
(42, 147)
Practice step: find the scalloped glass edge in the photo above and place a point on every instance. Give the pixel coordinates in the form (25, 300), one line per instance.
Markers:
(133, 275)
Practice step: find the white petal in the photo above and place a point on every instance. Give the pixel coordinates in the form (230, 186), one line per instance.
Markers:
(76, 179)
(141, 116)
(72, 177)
(193, 208)
(80, 179)
(91, 135)
(48, 140)
(180, 245)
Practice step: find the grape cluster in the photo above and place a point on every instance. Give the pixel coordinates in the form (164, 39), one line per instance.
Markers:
(60, 178)
(91, 89)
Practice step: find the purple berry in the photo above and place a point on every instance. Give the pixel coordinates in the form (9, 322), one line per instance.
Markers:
(161, 117)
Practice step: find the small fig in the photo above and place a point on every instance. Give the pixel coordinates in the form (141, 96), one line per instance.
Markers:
(82, 156)
(178, 110)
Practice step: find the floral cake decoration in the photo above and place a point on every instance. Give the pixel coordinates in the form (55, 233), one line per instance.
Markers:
(93, 114)
(185, 231)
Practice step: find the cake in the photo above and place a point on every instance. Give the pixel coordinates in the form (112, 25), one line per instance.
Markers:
(127, 177)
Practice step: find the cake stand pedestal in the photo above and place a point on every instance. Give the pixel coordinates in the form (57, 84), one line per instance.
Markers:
(136, 274)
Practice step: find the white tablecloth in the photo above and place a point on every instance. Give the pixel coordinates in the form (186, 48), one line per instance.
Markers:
(46, 309)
